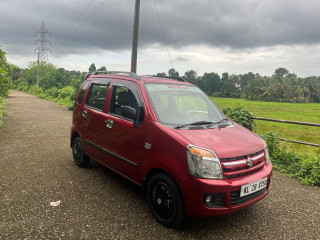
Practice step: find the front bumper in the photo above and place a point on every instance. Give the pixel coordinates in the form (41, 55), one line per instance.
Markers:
(194, 189)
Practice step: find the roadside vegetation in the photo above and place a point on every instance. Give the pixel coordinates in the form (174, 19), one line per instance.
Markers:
(302, 112)
(4, 81)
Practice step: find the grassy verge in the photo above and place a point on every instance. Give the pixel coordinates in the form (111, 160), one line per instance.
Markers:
(2, 109)
(303, 112)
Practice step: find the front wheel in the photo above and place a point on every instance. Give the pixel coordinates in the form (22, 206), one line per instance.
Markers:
(79, 156)
(165, 200)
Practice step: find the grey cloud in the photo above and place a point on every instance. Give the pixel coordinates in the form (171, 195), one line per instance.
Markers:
(234, 24)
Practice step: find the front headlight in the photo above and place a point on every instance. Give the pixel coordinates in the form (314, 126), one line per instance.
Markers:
(203, 163)
(266, 152)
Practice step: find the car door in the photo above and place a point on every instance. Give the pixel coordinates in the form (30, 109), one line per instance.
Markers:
(124, 142)
(94, 118)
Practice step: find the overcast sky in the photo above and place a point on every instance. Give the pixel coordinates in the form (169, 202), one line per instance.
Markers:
(203, 35)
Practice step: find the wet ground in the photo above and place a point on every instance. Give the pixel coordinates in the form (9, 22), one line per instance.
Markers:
(36, 168)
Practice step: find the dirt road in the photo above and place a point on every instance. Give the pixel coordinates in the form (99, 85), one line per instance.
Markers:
(36, 168)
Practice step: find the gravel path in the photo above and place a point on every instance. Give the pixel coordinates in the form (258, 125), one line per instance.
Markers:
(36, 168)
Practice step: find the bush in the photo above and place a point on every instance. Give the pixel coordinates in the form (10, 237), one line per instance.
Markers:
(23, 86)
(2, 108)
(240, 116)
(302, 166)
(65, 92)
(52, 93)
(34, 90)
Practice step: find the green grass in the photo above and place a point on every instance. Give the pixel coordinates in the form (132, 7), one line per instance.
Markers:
(302, 112)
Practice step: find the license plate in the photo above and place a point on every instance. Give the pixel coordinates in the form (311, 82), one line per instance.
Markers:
(253, 187)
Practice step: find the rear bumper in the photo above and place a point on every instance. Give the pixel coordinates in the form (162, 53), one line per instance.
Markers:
(194, 189)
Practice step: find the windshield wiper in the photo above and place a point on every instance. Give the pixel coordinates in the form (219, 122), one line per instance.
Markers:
(195, 123)
(217, 123)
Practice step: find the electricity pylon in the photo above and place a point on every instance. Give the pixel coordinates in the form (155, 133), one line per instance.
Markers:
(42, 49)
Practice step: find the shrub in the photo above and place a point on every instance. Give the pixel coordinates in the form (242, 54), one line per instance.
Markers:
(34, 90)
(65, 92)
(52, 93)
(2, 108)
(240, 116)
(23, 86)
(302, 166)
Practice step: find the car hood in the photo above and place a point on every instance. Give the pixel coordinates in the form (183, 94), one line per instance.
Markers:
(231, 141)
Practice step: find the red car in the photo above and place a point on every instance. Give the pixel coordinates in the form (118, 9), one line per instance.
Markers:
(168, 137)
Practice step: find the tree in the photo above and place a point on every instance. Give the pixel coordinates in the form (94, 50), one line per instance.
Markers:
(5, 68)
(211, 83)
(163, 74)
(173, 73)
(191, 76)
(103, 68)
(280, 72)
(92, 68)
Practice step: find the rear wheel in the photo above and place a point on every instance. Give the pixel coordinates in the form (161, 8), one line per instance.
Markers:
(165, 200)
(79, 156)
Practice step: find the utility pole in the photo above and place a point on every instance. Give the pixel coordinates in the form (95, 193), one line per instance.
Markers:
(41, 48)
(135, 37)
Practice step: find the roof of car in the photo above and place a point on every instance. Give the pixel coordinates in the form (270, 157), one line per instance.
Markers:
(133, 76)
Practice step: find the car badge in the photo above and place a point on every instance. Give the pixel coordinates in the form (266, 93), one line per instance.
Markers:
(250, 163)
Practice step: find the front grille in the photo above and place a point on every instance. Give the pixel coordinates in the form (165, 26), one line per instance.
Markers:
(236, 199)
(243, 174)
(240, 157)
(237, 167)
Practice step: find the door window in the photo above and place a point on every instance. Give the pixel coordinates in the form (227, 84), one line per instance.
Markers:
(82, 92)
(122, 96)
(97, 96)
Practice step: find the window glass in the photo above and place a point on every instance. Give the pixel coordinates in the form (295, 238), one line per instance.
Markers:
(97, 96)
(181, 104)
(82, 92)
(122, 96)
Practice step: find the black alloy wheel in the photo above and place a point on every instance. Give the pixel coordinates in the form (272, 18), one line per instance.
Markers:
(165, 200)
(79, 156)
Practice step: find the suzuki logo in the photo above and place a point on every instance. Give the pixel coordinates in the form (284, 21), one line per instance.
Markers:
(249, 162)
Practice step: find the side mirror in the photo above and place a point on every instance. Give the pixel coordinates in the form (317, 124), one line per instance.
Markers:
(129, 112)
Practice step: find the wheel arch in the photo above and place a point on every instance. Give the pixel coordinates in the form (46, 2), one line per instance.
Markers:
(73, 136)
(153, 172)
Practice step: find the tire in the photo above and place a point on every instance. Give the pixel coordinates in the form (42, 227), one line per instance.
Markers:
(165, 200)
(79, 156)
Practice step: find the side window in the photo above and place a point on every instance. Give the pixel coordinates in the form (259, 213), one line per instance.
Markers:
(82, 92)
(122, 96)
(97, 96)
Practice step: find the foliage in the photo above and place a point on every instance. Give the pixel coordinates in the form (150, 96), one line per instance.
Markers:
(4, 79)
(22, 86)
(302, 166)
(240, 116)
(2, 109)
(302, 112)
(92, 68)
(173, 73)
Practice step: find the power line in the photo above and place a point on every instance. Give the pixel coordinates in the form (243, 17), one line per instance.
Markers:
(95, 11)
(163, 36)
(78, 18)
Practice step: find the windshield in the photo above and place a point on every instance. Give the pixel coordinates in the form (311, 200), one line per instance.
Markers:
(177, 105)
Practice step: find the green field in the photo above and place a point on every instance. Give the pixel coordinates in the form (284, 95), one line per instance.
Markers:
(302, 112)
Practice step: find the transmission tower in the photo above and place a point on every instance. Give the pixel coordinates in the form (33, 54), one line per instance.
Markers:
(42, 49)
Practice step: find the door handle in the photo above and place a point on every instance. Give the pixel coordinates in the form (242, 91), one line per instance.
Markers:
(109, 123)
(84, 113)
